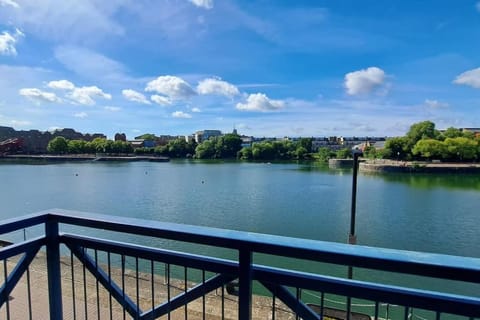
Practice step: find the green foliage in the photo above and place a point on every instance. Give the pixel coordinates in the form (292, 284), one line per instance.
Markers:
(344, 153)
(77, 146)
(206, 149)
(325, 154)
(58, 145)
(421, 130)
(429, 149)
(461, 148)
(245, 153)
(451, 133)
(147, 136)
(397, 148)
(371, 153)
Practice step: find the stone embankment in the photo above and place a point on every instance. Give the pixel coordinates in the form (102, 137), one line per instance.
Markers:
(389, 166)
(83, 157)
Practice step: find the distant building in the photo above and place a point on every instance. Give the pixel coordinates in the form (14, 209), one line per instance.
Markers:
(35, 141)
(203, 135)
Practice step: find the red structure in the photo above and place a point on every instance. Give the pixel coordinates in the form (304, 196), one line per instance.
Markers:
(11, 145)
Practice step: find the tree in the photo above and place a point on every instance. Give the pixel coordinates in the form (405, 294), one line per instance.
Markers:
(58, 145)
(77, 146)
(397, 148)
(461, 148)
(325, 154)
(147, 136)
(245, 153)
(421, 130)
(429, 149)
(451, 133)
(228, 146)
(206, 149)
(344, 153)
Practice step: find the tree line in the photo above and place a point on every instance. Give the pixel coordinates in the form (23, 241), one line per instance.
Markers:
(424, 142)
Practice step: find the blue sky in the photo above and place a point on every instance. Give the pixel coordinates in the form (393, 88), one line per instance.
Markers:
(269, 68)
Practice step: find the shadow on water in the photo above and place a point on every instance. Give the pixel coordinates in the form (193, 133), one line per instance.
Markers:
(430, 181)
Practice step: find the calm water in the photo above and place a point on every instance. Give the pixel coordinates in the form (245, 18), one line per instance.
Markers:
(414, 212)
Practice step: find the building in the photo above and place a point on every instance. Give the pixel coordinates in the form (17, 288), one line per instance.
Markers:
(203, 135)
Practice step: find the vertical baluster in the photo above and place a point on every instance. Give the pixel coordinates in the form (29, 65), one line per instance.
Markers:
(137, 287)
(349, 307)
(438, 315)
(406, 313)
(376, 309)
(223, 302)
(96, 285)
(54, 272)
(85, 305)
(5, 275)
(203, 296)
(298, 302)
(72, 269)
(273, 305)
(322, 304)
(152, 267)
(168, 290)
(110, 282)
(123, 286)
(29, 292)
(185, 287)
(245, 284)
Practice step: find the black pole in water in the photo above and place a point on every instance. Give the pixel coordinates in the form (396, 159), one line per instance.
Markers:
(352, 238)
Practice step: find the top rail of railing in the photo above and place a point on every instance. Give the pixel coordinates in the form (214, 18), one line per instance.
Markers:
(409, 262)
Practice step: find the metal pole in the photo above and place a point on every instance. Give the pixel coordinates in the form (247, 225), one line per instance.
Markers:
(352, 238)
(53, 267)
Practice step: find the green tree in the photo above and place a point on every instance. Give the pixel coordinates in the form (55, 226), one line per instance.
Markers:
(421, 130)
(245, 153)
(461, 149)
(58, 145)
(429, 149)
(371, 153)
(147, 136)
(397, 148)
(228, 146)
(206, 149)
(77, 146)
(344, 153)
(324, 154)
(306, 143)
(451, 133)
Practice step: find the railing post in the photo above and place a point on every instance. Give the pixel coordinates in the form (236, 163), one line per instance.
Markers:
(245, 285)
(53, 270)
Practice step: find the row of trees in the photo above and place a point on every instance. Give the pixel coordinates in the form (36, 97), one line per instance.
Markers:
(60, 145)
(278, 150)
(424, 142)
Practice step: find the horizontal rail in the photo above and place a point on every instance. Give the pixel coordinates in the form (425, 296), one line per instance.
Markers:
(409, 262)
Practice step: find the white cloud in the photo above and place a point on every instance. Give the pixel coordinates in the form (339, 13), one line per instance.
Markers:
(364, 81)
(217, 86)
(469, 78)
(134, 96)
(80, 115)
(260, 102)
(171, 86)
(196, 109)
(181, 114)
(4, 3)
(38, 95)
(85, 95)
(161, 100)
(61, 85)
(435, 104)
(207, 4)
(112, 109)
(8, 42)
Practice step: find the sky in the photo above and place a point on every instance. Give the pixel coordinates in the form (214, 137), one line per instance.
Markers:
(265, 67)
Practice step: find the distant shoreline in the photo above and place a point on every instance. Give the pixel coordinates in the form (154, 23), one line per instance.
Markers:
(83, 157)
(389, 166)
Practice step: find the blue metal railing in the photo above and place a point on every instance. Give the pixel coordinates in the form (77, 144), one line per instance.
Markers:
(285, 286)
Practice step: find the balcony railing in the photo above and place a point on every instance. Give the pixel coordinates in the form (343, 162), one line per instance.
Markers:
(78, 266)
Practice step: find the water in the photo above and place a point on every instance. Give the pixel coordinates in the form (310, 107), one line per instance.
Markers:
(413, 212)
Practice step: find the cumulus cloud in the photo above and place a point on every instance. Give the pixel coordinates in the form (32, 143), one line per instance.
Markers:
(5, 3)
(435, 104)
(38, 95)
(260, 102)
(171, 87)
(8, 42)
(85, 95)
(61, 84)
(364, 81)
(217, 86)
(207, 4)
(196, 109)
(469, 78)
(181, 114)
(80, 115)
(112, 109)
(161, 100)
(134, 96)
